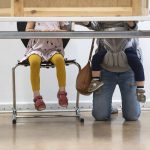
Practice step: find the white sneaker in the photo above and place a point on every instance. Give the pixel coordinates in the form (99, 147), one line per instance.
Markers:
(95, 85)
(140, 95)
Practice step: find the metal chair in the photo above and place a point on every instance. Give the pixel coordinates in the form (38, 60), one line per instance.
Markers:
(21, 27)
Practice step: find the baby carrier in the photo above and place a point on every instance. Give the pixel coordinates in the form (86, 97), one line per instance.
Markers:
(115, 59)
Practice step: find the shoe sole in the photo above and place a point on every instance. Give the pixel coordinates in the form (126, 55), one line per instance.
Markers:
(40, 109)
(65, 106)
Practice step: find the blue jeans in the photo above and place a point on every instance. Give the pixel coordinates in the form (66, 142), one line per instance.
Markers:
(102, 98)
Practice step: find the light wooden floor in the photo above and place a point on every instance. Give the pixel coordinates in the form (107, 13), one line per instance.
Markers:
(69, 134)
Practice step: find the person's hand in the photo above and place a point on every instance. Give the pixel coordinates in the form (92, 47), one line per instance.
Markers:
(58, 30)
(131, 23)
(46, 30)
(32, 30)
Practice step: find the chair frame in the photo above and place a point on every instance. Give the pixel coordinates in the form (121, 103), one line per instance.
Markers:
(41, 115)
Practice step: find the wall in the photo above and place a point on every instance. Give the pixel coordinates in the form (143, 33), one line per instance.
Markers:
(13, 50)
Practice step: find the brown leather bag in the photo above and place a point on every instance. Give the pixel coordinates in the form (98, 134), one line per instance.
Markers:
(85, 75)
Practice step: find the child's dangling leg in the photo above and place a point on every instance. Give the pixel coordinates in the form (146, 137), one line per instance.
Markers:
(35, 62)
(137, 67)
(58, 61)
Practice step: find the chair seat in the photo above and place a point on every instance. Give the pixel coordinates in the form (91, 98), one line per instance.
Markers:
(46, 63)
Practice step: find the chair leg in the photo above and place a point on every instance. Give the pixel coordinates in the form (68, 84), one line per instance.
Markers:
(14, 95)
(77, 97)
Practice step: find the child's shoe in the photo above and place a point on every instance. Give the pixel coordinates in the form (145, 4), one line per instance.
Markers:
(39, 103)
(62, 98)
(94, 85)
(140, 95)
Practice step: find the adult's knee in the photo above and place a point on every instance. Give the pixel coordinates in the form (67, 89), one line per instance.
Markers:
(101, 116)
(132, 116)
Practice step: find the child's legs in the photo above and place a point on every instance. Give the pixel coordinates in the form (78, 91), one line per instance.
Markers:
(58, 61)
(96, 61)
(35, 62)
(135, 65)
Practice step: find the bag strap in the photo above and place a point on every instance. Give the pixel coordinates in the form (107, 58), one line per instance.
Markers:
(91, 51)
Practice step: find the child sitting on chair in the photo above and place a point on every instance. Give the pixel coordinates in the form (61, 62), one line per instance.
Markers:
(47, 49)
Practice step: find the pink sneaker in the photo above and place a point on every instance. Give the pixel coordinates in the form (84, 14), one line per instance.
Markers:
(62, 98)
(39, 103)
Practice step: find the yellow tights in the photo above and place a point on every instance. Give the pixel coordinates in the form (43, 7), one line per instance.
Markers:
(57, 60)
